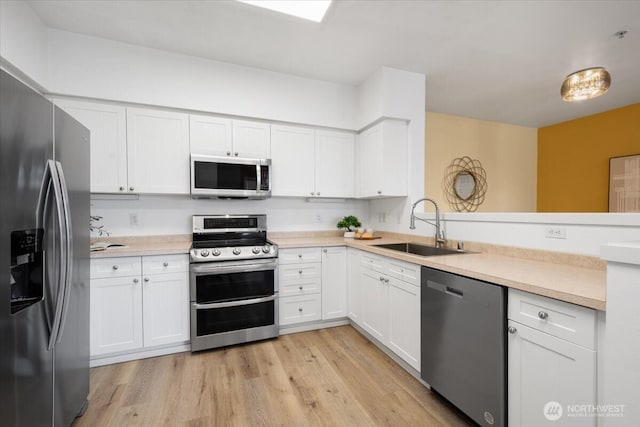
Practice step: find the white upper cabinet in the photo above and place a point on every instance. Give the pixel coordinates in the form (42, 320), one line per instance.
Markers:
(292, 161)
(219, 136)
(210, 135)
(251, 139)
(312, 163)
(158, 151)
(108, 127)
(381, 161)
(335, 163)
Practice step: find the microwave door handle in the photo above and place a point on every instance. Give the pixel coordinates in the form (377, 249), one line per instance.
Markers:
(259, 177)
(234, 303)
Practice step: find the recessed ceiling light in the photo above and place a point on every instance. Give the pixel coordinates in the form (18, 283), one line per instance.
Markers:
(313, 10)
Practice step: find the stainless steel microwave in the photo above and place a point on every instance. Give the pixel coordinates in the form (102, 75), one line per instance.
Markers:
(230, 177)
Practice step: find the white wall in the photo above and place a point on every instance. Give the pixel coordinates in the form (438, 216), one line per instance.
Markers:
(99, 68)
(23, 42)
(158, 215)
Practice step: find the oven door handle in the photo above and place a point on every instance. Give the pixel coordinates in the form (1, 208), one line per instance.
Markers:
(234, 303)
(221, 269)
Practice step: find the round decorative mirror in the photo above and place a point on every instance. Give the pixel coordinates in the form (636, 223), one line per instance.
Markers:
(464, 184)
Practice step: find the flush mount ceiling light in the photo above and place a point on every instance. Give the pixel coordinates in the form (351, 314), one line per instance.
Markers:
(313, 10)
(585, 84)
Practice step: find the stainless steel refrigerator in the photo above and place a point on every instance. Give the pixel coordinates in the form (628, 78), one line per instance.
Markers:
(44, 260)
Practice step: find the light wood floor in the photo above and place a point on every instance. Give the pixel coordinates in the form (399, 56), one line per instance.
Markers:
(330, 377)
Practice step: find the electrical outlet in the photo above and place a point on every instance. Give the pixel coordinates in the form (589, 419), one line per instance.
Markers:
(133, 219)
(555, 232)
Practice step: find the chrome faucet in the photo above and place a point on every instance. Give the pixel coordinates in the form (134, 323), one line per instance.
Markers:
(440, 239)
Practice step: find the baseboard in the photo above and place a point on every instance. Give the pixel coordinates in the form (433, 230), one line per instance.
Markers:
(312, 326)
(142, 354)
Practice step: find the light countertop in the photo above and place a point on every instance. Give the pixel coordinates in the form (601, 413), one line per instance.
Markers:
(582, 285)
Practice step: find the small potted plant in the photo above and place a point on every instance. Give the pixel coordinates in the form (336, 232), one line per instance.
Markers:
(349, 224)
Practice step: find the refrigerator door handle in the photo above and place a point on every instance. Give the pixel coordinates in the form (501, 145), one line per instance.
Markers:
(51, 180)
(67, 255)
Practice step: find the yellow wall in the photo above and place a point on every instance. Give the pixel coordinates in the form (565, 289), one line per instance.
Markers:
(507, 153)
(573, 159)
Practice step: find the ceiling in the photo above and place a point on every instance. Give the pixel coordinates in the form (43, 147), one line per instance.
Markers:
(493, 60)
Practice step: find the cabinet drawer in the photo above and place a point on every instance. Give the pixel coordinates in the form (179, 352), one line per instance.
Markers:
(405, 271)
(561, 319)
(303, 308)
(299, 255)
(154, 264)
(115, 267)
(300, 279)
(373, 262)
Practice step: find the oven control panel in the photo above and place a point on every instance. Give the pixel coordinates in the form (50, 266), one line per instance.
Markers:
(234, 253)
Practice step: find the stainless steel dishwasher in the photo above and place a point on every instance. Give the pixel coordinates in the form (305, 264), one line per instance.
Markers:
(463, 348)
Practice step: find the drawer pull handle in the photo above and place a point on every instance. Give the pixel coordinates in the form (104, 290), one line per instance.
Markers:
(381, 279)
(146, 279)
(299, 255)
(300, 309)
(543, 315)
(115, 267)
(300, 287)
(299, 271)
(512, 330)
(166, 264)
(324, 250)
(135, 280)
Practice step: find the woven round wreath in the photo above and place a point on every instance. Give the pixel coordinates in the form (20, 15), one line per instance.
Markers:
(464, 184)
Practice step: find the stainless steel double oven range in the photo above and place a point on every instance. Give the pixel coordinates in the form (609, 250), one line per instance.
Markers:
(234, 281)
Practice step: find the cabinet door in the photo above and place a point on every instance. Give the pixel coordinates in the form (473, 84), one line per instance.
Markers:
(210, 135)
(334, 282)
(404, 321)
(354, 286)
(334, 167)
(544, 369)
(292, 158)
(369, 163)
(108, 127)
(158, 151)
(375, 305)
(166, 308)
(251, 139)
(116, 315)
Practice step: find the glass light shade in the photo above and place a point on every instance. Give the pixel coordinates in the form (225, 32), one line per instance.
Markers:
(585, 84)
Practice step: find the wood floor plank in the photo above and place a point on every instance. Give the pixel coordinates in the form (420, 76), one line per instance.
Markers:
(331, 377)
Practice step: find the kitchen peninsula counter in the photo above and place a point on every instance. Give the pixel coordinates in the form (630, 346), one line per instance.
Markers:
(572, 278)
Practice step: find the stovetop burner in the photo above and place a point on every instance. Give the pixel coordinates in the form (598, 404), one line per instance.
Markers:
(230, 237)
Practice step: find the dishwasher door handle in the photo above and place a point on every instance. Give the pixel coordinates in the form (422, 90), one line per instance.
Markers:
(445, 289)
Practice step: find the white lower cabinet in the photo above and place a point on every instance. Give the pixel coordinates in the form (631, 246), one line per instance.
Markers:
(138, 302)
(115, 315)
(550, 377)
(313, 284)
(334, 282)
(384, 299)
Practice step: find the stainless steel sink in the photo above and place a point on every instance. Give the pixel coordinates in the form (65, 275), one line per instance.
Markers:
(418, 249)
